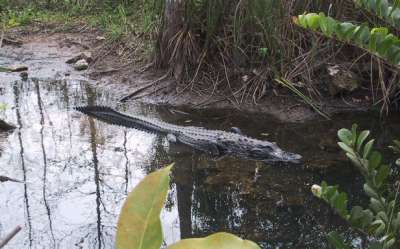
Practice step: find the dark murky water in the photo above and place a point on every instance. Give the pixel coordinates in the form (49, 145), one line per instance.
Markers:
(78, 172)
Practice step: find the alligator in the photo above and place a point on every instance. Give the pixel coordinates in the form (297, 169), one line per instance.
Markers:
(217, 143)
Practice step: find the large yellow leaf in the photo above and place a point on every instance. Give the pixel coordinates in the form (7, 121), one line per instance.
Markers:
(215, 241)
(139, 225)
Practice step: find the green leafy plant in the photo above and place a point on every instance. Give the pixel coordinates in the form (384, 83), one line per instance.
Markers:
(383, 9)
(377, 41)
(378, 35)
(381, 219)
(139, 224)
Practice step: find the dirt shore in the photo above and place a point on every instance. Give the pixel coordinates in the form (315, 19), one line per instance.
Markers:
(114, 68)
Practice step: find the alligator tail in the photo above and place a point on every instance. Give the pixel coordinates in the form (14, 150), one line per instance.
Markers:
(109, 115)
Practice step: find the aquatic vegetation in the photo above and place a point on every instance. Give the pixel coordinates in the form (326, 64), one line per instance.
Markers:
(139, 225)
(381, 219)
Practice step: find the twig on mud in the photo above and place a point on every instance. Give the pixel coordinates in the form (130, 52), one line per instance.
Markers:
(10, 236)
(147, 86)
(150, 93)
(99, 73)
(206, 103)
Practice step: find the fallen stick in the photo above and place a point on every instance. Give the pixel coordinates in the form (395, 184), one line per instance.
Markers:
(10, 236)
(7, 41)
(141, 89)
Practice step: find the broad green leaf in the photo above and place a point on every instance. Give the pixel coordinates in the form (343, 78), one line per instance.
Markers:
(383, 216)
(370, 192)
(368, 217)
(378, 227)
(395, 17)
(312, 20)
(374, 160)
(362, 34)
(340, 204)
(344, 136)
(382, 175)
(346, 148)
(384, 46)
(353, 134)
(357, 161)
(361, 138)
(302, 21)
(356, 213)
(367, 148)
(376, 205)
(345, 31)
(139, 225)
(215, 241)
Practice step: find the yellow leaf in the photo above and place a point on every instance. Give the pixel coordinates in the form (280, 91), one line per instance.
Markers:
(139, 225)
(215, 241)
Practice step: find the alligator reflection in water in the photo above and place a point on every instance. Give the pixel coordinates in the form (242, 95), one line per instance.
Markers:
(78, 172)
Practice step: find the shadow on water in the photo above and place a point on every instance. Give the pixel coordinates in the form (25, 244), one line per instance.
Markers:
(78, 171)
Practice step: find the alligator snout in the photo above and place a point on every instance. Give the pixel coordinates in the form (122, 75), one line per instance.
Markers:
(284, 156)
(291, 157)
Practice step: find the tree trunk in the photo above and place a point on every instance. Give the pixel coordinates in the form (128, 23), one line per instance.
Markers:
(174, 19)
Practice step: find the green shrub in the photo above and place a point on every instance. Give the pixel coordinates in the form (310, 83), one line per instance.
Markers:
(381, 219)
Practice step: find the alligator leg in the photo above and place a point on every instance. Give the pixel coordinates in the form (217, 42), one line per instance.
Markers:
(214, 151)
(171, 138)
(236, 130)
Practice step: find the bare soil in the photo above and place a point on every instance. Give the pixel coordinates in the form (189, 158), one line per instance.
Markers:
(121, 69)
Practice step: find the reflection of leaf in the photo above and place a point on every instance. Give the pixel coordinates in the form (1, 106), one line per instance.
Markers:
(215, 241)
(3, 107)
(139, 225)
(4, 69)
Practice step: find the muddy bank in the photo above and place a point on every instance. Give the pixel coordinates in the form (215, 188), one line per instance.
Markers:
(113, 68)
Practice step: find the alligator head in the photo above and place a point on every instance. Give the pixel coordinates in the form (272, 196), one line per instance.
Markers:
(270, 152)
(258, 150)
